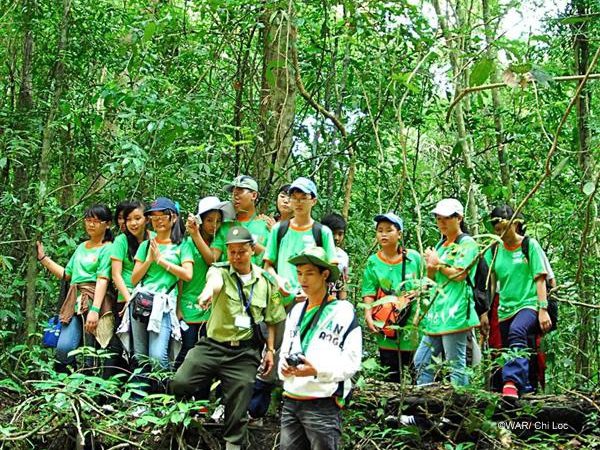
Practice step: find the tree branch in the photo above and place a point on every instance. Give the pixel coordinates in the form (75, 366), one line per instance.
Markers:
(484, 87)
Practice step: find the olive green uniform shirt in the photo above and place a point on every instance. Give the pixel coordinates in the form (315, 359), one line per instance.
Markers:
(265, 305)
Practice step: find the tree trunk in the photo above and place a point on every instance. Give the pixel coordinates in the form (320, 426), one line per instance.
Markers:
(44, 166)
(278, 96)
(463, 137)
(25, 99)
(492, 54)
(582, 56)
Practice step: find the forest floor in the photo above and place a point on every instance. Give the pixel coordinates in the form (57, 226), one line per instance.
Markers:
(444, 419)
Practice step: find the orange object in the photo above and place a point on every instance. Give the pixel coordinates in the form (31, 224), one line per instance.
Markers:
(389, 312)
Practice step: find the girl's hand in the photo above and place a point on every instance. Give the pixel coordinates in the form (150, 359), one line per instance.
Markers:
(431, 257)
(544, 319)
(91, 323)
(370, 323)
(40, 250)
(125, 306)
(192, 224)
(268, 220)
(154, 251)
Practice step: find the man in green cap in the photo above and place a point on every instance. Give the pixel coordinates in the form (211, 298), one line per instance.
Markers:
(244, 195)
(321, 351)
(242, 295)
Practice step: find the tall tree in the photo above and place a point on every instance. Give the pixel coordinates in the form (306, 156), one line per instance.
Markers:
(278, 96)
(58, 76)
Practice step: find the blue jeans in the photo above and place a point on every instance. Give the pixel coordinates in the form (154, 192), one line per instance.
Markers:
(454, 347)
(69, 340)
(310, 424)
(151, 344)
(514, 333)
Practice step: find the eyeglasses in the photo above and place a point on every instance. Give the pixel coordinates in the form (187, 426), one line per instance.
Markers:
(300, 200)
(160, 217)
(92, 221)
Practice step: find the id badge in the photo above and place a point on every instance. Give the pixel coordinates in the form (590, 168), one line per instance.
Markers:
(243, 322)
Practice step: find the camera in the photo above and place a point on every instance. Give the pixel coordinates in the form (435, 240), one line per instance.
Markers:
(294, 359)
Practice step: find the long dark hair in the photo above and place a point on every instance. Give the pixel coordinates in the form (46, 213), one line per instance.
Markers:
(101, 212)
(118, 209)
(132, 242)
(463, 226)
(283, 189)
(505, 212)
(178, 231)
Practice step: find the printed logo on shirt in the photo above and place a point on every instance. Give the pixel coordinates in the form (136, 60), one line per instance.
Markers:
(90, 258)
(518, 258)
(331, 333)
(309, 241)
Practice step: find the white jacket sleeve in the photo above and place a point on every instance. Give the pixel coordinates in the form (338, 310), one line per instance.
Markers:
(335, 370)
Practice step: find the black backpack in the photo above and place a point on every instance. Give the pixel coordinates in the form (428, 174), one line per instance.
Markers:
(552, 302)
(316, 232)
(481, 293)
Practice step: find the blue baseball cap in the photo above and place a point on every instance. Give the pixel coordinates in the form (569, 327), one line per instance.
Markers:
(162, 204)
(390, 217)
(304, 185)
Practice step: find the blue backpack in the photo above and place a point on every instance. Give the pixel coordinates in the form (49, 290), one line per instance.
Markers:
(52, 332)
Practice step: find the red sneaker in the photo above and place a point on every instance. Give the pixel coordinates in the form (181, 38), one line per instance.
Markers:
(510, 390)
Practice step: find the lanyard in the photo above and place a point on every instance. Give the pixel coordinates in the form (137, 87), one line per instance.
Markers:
(313, 322)
(245, 302)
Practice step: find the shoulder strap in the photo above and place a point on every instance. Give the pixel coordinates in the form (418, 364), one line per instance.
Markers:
(353, 325)
(283, 228)
(440, 243)
(525, 247)
(317, 228)
(315, 318)
(404, 258)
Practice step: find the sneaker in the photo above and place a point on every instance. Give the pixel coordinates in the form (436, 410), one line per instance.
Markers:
(258, 422)
(407, 420)
(510, 390)
(200, 412)
(218, 414)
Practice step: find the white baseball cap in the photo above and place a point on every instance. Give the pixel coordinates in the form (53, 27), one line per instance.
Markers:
(213, 203)
(448, 207)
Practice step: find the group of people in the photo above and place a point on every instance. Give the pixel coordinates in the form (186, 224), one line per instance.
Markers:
(232, 295)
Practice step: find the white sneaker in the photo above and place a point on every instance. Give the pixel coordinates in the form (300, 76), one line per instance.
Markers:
(407, 420)
(218, 415)
(230, 446)
(139, 411)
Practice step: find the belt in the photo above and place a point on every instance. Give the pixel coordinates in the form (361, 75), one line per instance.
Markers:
(234, 344)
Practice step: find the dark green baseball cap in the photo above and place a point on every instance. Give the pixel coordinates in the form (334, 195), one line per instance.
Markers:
(239, 235)
(318, 257)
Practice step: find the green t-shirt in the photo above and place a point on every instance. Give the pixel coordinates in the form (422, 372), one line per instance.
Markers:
(516, 277)
(265, 304)
(258, 229)
(120, 252)
(88, 264)
(157, 279)
(294, 242)
(450, 299)
(192, 313)
(383, 277)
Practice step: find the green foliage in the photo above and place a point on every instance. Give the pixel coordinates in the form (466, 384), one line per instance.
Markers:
(164, 98)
